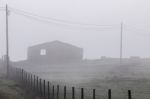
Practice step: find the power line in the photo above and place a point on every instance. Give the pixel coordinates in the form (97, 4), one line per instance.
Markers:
(51, 22)
(64, 22)
(48, 21)
(138, 33)
(136, 30)
(43, 18)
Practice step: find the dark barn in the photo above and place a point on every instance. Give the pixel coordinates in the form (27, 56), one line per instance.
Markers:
(55, 52)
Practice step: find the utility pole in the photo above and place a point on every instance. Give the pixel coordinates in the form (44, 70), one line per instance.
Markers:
(121, 42)
(7, 41)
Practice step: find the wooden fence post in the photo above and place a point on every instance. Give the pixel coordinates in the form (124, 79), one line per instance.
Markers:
(31, 81)
(37, 84)
(73, 92)
(109, 94)
(48, 90)
(65, 89)
(53, 92)
(22, 75)
(26, 78)
(82, 93)
(34, 82)
(41, 87)
(129, 94)
(57, 91)
(93, 93)
(44, 88)
(16, 76)
(19, 75)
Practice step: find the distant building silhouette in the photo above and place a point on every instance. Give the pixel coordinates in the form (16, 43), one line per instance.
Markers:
(54, 52)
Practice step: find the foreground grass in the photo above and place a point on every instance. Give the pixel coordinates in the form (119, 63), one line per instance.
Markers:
(11, 90)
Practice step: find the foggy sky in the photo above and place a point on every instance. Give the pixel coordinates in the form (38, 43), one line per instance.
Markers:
(96, 42)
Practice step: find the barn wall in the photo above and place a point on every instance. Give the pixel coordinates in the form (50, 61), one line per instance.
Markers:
(58, 53)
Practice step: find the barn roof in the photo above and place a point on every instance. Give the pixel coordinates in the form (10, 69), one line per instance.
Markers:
(56, 42)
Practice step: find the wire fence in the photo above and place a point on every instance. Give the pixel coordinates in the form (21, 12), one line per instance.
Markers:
(47, 90)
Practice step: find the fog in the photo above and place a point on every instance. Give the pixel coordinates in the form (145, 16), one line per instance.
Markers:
(80, 42)
(84, 16)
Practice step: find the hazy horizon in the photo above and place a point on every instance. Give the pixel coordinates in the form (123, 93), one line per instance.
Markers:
(96, 40)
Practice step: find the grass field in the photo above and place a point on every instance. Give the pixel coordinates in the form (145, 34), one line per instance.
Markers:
(101, 76)
(11, 90)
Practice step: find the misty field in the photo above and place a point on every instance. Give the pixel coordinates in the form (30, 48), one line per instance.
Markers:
(101, 75)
